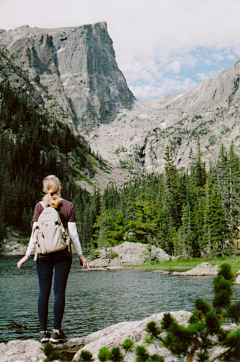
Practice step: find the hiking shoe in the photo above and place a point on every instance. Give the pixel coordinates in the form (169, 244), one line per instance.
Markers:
(58, 337)
(44, 336)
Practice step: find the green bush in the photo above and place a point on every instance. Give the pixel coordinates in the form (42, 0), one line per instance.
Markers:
(104, 354)
(85, 356)
(50, 353)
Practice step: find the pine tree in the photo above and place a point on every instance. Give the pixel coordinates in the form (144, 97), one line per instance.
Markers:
(205, 329)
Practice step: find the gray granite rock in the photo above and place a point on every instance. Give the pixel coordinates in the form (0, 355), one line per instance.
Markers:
(115, 335)
(21, 351)
(128, 253)
(76, 68)
(159, 254)
(200, 270)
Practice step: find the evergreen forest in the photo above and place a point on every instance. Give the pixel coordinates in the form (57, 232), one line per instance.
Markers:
(193, 212)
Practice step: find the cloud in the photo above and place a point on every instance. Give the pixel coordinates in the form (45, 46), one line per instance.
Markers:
(167, 86)
(140, 70)
(218, 57)
(202, 76)
(174, 66)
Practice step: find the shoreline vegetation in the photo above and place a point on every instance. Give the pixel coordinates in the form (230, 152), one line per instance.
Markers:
(173, 265)
(182, 265)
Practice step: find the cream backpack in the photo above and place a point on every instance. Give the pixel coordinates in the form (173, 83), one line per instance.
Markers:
(50, 235)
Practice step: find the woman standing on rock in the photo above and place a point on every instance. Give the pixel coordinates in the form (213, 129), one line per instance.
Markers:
(59, 261)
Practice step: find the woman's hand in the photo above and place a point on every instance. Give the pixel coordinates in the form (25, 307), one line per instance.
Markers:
(22, 261)
(83, 261)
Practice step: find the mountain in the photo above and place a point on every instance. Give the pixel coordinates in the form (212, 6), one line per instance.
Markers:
(210, 111)
(75, 74)
(75, 68)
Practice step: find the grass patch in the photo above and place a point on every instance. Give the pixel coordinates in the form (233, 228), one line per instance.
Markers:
(98, 162)
(188, 264)
(81, 177)
(93, 160)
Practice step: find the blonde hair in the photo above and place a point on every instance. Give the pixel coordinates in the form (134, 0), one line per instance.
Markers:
(52, 187)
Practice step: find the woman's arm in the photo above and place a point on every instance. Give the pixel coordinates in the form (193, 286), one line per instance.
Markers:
(72, 228)
(30, 248)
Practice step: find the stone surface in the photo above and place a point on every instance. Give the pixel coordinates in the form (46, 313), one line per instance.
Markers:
(115, 335)
(161, 272)
(138, 137)
(200, 270)
(11, 245)
(159, 254)
(31, 351)
(21, 351)
(74, 67)
(237, 281)
(112, 336)
(128, 253)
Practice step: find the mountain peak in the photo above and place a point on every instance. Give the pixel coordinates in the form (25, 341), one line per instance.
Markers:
(74, 67)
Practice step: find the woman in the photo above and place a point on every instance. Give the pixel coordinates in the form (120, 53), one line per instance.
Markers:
(59, 261)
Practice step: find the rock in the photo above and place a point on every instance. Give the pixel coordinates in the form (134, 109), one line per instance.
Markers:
(131, 253)
(99, 263)
(76, 68)
(31, 351)
(200, 270)
(159, 254)
(112, 336)
(11, 245)
(128, 253)
(21, 351)
(161, 272)
(115, 335)
(237, 281)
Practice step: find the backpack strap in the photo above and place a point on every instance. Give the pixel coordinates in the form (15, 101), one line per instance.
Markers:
(63, 219)
(44, 205)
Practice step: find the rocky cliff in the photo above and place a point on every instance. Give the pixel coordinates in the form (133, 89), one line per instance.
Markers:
(75, 72)
(74, 68)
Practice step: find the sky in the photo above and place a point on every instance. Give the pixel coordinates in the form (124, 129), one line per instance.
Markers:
(162, 46)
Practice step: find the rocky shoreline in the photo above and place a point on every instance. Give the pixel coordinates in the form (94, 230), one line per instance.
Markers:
(11, 245)
(112, 336)
(120, 257)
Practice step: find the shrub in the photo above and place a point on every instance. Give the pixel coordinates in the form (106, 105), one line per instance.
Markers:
(50, 353)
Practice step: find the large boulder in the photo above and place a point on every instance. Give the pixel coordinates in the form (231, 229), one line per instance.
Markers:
(200, 270)
(159, 254)
(21, 351)
(127, 253)
(115, 335)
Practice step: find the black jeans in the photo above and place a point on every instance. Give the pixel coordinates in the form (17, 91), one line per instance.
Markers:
(45, 266)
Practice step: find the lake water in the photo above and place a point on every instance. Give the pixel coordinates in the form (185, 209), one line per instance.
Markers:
(95, 299)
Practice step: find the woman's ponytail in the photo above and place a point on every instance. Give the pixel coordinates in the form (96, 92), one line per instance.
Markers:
(52, 188)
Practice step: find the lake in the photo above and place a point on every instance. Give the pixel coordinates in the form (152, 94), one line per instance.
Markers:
(94, 299)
